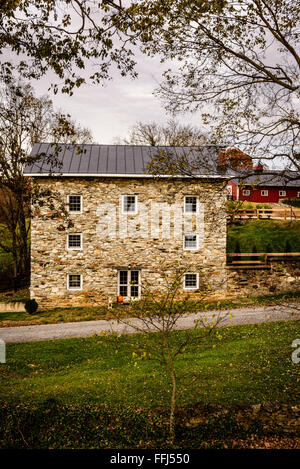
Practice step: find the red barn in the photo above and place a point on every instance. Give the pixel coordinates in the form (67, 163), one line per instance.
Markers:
(263, 188)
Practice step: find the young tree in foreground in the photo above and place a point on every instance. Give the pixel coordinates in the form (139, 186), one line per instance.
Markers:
(25, 119)
(157, 316)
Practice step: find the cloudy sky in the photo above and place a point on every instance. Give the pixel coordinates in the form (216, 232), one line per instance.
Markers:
(110, 110)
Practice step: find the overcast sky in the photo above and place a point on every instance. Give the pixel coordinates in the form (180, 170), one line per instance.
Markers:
(110, 110)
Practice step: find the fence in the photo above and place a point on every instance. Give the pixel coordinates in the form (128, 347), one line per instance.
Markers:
(262, 259)
(269, 213)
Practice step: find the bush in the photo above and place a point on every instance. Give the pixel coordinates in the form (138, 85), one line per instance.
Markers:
(31, 306)
(294, 202)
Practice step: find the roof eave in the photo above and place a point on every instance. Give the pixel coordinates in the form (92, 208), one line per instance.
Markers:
(202, 176)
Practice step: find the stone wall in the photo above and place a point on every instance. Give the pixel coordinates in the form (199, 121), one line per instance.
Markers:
(107, 247)
(281, 276)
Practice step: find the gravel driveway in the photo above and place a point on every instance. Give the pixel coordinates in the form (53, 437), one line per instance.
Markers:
(88, 328)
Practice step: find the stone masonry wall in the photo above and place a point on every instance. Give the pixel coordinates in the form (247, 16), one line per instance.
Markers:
(107, 247)
(283, 276)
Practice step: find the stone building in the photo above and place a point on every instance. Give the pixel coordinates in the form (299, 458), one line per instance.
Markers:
(129, 226)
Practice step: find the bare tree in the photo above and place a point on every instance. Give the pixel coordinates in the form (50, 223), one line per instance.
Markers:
(171, 134)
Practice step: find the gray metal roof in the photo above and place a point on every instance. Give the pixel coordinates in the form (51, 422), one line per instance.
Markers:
(283, 178)
(116, 160)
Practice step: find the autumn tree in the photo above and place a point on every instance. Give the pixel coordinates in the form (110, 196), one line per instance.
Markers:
(239, 67)
(24, 119)
(62, 36)
(171, 134)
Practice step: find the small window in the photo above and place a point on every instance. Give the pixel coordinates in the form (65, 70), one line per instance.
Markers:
(190, 204)
(190, 241)
(265, 193)
(74, 241)
(246, 192)
(74, 282)
(129, 204)
(191, 281)
(298, 194)
(75, 203)
(129, 283)
(282, 193)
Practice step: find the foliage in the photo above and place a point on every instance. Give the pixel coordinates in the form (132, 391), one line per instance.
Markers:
(294, 202)
(25, 119)
(232, 209)
(240, 57)
(160, 311)
(62, 37)
(31, 306)
(264, 233)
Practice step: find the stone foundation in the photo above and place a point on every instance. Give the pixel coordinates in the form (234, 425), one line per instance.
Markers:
(283, 276)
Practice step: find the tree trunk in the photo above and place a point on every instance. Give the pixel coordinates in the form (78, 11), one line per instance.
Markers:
(173, 403)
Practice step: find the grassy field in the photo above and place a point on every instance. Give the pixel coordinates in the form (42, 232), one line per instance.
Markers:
(249, 364)
(92, 313)
(80, 393)
(265, 236)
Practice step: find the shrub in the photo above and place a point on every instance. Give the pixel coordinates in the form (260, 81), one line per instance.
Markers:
(31, 306)
(288, 247)
(294, 202)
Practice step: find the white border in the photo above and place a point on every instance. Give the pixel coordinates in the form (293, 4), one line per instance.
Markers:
(197, 281)
(248, 192)
(72, 288)
(68, 204)
(282, 195)
(191, 248)
(129, 298)
(136, 204)
(264, 195)
(197, 205)
(74, 248)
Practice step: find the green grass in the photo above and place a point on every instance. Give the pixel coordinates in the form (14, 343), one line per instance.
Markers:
(265, 235)
(92, 313)
(78, 393)
(249, 364)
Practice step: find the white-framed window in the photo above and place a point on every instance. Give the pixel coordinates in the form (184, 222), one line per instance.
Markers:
(246, 191)
(74, 282)
(129, 204)
(282, 193)
(129, 283)
(74, 241)
(190, 242)
(74, 203)
(298, 194)
(264, 193)
(191, 281)
(191, 204)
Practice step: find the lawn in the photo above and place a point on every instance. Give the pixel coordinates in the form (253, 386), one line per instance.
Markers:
(265, 236)
(250, 364)
(80, 393)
